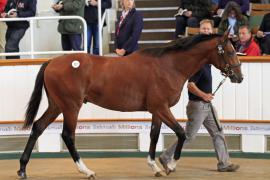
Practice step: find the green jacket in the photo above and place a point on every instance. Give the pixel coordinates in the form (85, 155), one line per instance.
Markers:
(71, 8)
(224, 25)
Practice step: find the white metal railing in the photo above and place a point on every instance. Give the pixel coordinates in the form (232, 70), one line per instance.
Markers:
(32, 45)
(101, 20)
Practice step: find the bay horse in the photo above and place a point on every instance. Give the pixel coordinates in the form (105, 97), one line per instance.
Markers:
(147, 80)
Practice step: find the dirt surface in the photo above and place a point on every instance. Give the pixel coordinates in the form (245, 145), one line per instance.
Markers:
(135, 169)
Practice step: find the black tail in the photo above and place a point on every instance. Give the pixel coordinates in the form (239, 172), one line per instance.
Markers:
(35, 99)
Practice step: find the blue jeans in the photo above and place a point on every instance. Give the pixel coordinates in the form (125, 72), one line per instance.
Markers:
(13, 38)
(71, 42)
(92, 33)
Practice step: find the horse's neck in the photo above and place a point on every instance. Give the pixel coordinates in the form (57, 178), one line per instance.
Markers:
(189, 62)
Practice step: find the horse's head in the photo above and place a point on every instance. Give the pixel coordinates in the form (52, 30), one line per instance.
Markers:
(227, 61)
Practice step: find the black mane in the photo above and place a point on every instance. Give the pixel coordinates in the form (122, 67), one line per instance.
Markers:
(179, 44)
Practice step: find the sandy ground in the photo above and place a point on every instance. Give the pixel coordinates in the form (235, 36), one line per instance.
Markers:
(135, 169)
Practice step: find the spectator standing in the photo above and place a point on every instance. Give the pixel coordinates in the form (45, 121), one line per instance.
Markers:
(128, 29)
(17, 29)
(3, 27)
(264, 35)
(91, 17)
(70, 29)
(246, 43)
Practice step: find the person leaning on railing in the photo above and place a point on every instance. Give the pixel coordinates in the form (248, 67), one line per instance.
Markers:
(17, 29)
(70, 29)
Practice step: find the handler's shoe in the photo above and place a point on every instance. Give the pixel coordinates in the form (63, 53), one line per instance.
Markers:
(163, 161)
(230, 168)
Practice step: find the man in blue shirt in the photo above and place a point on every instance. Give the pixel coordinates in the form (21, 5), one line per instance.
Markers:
(199, 112)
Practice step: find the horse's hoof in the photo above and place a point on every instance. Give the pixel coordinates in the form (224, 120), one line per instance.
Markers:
(92, 176)
(22, 174)
(158, 174)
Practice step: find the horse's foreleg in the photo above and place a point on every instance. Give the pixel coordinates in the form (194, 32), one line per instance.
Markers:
(68, 136)
(154, 135)
(38, 127)
(168, 118)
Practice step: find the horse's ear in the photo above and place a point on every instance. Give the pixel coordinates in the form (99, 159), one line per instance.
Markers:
(226, 34)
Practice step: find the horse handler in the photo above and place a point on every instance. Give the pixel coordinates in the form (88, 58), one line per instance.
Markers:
(200, 111)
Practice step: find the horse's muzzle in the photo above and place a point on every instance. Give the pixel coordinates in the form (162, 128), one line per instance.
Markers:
(236, 78)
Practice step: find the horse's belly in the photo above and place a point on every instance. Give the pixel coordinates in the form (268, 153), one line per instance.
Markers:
(119, 106)
(118, 102)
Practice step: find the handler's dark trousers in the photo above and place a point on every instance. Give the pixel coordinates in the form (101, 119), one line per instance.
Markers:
(198, 113)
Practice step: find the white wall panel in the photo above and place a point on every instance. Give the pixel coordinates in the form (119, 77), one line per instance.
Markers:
(248, 100)
(254, 91)
(241, 95)
(228, 100)
(265, 91)
(217, 102)
(8, 100)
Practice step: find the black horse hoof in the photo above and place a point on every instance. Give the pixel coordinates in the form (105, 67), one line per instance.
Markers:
(158, 174)
(22, 174)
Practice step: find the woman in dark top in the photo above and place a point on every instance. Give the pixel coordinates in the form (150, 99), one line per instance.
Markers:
(264, 35)
(128, 29)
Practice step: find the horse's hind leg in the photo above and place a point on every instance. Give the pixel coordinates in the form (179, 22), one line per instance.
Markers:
(38, 127)
(154, 135)
(68, 135)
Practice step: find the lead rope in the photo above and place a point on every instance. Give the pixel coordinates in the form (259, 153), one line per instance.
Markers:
(212, 108)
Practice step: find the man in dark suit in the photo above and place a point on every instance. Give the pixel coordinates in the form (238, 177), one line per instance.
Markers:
(128, 29)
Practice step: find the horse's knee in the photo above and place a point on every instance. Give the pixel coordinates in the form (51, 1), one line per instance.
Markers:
(67, 137)
(182, 136)
(180, 133)
(36, 130)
